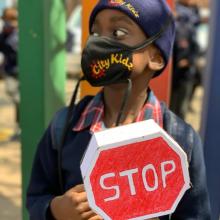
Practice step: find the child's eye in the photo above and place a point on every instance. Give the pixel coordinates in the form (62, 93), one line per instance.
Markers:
(119, 33)
(95, 34)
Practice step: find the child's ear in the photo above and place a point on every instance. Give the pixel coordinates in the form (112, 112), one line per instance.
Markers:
(156, 61)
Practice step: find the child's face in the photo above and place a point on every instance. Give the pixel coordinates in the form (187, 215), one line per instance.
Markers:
(120, 27)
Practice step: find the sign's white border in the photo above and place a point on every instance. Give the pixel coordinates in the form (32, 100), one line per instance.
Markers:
(171, 142)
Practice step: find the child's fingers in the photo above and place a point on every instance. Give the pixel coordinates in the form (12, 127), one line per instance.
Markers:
(78, 188)
(83, 207)
(96, 217)
(88, 215)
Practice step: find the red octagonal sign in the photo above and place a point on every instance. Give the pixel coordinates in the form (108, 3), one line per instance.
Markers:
(135, 171)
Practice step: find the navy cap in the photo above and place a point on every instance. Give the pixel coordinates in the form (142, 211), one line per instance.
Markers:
(151, 15)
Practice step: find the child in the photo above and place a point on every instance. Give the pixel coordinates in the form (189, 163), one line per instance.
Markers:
(130, 42)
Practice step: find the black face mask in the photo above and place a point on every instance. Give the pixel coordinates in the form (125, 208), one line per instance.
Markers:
(106, 61)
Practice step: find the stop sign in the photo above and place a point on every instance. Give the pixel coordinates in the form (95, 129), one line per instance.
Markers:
(135, 171)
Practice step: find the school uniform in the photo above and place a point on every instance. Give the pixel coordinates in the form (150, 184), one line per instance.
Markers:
(87, 118)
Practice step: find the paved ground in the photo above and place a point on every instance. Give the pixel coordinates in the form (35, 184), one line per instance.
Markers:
(10, 178)
(10, 175)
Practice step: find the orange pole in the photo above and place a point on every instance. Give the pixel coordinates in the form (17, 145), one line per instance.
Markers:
(86, 89)
(161, 85)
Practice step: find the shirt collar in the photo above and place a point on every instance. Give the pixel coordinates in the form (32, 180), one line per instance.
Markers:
(92, 116)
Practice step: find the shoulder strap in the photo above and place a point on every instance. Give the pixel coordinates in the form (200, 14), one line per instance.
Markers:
(59, 120)
(60, 127)
(179, 130)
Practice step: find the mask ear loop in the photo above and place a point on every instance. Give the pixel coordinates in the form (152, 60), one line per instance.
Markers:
(66, 127)
(124, 101)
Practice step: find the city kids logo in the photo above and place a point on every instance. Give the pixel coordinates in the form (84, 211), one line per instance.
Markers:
(129, 6)
(100, 67)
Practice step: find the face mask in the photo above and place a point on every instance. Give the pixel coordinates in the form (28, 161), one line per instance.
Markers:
(106, 61)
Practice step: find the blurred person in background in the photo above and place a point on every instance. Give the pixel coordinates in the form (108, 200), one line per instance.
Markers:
(186, 52)
(1, 54)
(202, 29)
(73, 43)
(9, 48)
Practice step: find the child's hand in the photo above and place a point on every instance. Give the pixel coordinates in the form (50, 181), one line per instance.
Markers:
(73, 205)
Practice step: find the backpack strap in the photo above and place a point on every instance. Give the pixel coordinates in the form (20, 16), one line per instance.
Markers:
(179, 130)
(59, 120)
(60, 126)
